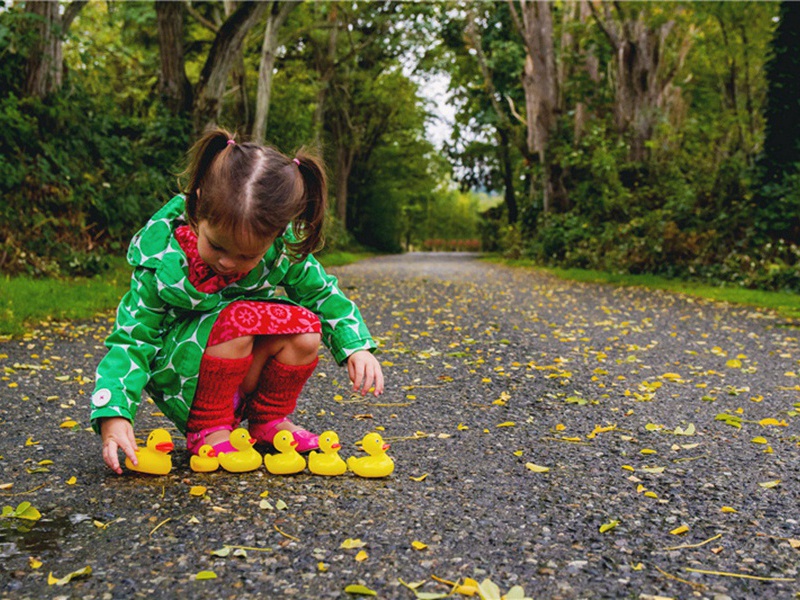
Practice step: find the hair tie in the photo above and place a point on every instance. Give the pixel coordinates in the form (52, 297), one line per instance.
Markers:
(231, 142)
(296, 161)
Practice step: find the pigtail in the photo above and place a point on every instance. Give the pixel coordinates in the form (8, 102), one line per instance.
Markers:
(200, 158)
(308, 225)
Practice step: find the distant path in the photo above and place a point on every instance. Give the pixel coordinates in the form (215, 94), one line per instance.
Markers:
(620, 392)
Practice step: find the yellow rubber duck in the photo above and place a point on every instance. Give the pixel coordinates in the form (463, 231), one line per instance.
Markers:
(378, 463)
(154, 458)
(246, 458)
(328, 462)
(288, 462)
(205, 461)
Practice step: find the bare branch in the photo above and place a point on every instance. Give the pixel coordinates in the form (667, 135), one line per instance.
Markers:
(200, 18)
(69, 15)
(613, 39)
(514, 112)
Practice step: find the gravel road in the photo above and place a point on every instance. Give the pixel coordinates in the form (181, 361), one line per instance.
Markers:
(578, 440)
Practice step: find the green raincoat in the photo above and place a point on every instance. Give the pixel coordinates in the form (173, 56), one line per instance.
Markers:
(163, 323)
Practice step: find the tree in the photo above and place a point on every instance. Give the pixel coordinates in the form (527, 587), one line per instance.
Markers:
(505, 128)
(782, 143)
(644, 71)
(173, 85)
(45, 66)
(276, 16)
(224, 52)
(538, 81)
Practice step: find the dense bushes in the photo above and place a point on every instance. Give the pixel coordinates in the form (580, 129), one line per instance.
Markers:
(73, 179)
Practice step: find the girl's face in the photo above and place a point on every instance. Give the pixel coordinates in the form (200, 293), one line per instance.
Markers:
(225, 253)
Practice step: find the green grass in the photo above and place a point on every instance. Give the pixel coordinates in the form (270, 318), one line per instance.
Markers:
(26, 301)
(340, 258)
(785, 304)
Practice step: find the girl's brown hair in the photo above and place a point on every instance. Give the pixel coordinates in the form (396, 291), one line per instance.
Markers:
(256, 191)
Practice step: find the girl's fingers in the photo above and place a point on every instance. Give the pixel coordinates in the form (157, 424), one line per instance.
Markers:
(378, 382)
(110, 456)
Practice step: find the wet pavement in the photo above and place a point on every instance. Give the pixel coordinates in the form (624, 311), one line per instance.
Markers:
(578, 440)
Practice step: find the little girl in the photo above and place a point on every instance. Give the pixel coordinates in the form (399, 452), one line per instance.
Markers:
(202, 330)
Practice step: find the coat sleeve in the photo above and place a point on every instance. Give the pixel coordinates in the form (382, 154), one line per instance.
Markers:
(343, 328)
(132, 345)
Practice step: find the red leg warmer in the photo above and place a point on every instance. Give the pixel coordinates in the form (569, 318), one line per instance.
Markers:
(218, 381)
(279, 386)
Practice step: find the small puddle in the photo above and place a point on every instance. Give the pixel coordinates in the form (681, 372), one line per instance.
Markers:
(32, 538)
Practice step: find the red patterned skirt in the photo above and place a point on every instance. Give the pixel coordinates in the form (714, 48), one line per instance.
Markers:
(253, 317)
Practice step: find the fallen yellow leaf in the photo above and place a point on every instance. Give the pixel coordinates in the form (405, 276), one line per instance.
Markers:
(418, 545)
(608, 526)
(197, 490)
(360, 590)
(34, 563)
(770, 484)
(361, 556)
(351, 543)
(507, 424)
(205, 575)
(537, 468)
(680, 530)
(420, 478)
(759, 440)
(727, 509)
(72, 480)
(69, 423)
(84, 572)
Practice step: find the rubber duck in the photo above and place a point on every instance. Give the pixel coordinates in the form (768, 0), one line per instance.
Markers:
(205, 461)
(154, 458)
(288, 461)
(378, 463)
(246, 458)
(327, 462)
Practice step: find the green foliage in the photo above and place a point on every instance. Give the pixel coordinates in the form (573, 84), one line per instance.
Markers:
(75, 177)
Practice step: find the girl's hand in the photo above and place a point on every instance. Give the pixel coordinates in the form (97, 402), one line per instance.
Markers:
(365, 372)
(117, 432)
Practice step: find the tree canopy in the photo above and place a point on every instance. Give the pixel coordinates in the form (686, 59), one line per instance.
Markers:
(637, 136)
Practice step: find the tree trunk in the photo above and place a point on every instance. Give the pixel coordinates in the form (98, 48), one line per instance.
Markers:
(344, 164)
(45, 68)
(173, 85)
(325, 65)
(643, 80)
(508, 175)
(539, 82)
(224, 52)
(782, 140)
(238, 79)
(278, 11)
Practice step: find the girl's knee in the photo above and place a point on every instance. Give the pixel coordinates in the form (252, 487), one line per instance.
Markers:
(306, 343)
(236, 348)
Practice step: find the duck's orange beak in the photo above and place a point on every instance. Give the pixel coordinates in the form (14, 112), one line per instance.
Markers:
(165, 447)
(212, 453)
(336, 446)
(252, 441)
(385, 446)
